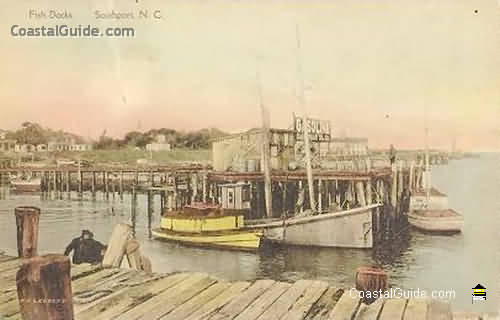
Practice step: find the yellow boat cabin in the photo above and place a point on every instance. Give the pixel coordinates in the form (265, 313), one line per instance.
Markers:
(210, 225)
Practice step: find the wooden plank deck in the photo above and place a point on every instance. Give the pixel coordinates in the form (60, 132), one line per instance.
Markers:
(128, 294)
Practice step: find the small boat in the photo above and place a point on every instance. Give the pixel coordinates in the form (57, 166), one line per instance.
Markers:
(26, 185)
(208, 225)
(445, 221)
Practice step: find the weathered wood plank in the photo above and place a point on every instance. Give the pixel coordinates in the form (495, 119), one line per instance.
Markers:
(10, 264)
(286, 300)
(393, 309)
(201, 299)
(305, 303)
(322, 308)
(463, 316)
(162, 307)
(240, 302)
(117, 303)
(371, 311)
(155, 307)
(4, 258)
(490, 316)
(256, 308)
(346, 307)
(206, 310)
(416, 309)
(439, 310)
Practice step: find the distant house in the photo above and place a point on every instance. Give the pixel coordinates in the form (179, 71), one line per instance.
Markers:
(41, 147)
(24, 148)
(80, 147)
(159, 144)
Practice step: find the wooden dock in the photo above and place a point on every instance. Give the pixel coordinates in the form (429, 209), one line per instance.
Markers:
(128, 294)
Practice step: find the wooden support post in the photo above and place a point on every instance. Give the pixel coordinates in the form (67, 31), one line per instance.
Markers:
(44, 288)
(394, 187)
(27, 220)
(162, 202)
(80, 183)
(400, 180)
(105, 179)
(113, 184)
(136, 181)
(337, 193)
(194, 186)
(369, 199)
(133, 210)
(410, 182)
(68, 177)
(54, 181)
(93, 183)
(204, 187)
(150, 211)
(320, 196)
(121, 185)
(135, 259)
(360, 192)
(117, 245)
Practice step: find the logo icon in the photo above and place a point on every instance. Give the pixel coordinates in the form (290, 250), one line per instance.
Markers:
(478, 293)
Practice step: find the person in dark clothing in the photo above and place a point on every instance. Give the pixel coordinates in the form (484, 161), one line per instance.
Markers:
(85, 249)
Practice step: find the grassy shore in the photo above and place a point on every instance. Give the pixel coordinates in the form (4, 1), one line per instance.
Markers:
(127, 156)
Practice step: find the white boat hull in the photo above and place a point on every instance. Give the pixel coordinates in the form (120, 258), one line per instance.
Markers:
(433, 224)
(348, 229)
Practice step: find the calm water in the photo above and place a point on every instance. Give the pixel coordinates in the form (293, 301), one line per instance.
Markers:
(428, 262)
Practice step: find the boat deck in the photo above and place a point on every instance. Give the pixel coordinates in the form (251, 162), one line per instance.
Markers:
(127, 294)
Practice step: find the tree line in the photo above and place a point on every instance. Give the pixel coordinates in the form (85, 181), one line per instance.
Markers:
(34, 133)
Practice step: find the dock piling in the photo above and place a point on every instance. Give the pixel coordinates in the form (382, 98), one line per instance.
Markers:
(44, 288)
(27, 220)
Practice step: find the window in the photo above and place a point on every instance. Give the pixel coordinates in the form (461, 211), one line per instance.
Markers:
(230, 196)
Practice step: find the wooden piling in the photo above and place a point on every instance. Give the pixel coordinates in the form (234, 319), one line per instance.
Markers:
(204, 187)
(121, 185)
(117, 245)
(105, 180)
(360, 192)
(410, 178)
(68, 177)
(194, 196)
(133, 209)
(320, 196)
(93, 183)
(150, 211)
(135, 259)
(27, 220)
(44, 288)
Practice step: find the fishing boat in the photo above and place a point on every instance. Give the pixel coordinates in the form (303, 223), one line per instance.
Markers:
(209, 225)
(344, 229)
(25, 184)
(429, 209)
(444, 221)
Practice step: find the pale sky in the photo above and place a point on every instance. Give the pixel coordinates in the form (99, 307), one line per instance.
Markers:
(195, 68)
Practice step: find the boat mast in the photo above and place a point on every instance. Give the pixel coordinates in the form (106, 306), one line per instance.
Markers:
(305, 125)
(265, 153)
(427, 166)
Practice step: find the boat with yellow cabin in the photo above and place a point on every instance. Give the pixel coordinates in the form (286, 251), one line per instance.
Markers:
(209, 225)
